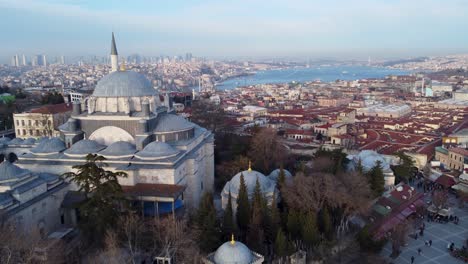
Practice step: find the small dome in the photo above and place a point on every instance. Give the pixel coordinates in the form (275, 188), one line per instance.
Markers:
(29, 141)
(15, 141)
(250, 178)
(53, 145)
(5, 140)
(172, 123)
(9, 171)
(275, 174)
(84, 147)
(41, 139)
(119, 149)
(157, 150)
(369, 159)
(124, 84)
(233, 253)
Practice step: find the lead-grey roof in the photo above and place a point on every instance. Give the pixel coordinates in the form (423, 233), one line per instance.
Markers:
(9, 171)
(4, 139)
(84, 147)
(5, 198)
(29, 185)
(170, 123)
(119, 148)
(50, 146)
(157, 149)
(15, 141)
(235, 252)
(124, 84)
(29, 141)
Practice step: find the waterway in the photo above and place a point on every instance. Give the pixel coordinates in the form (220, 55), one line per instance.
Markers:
(324, 74)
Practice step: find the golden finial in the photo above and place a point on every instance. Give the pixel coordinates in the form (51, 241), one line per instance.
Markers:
(250, 165)
(122, 66)
(232, 239)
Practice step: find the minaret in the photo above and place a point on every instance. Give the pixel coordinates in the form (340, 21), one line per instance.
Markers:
(114, 55)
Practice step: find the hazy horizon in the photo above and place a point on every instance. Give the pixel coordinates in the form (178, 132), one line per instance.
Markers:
(336, 29)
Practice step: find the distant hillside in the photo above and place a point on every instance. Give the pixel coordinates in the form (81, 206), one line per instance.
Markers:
(394, 62)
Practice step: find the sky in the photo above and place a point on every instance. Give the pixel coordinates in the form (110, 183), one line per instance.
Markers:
(229, 28)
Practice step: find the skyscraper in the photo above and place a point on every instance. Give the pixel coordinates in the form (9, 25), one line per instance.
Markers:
(62, 59)
(24, 60)
(17, 60)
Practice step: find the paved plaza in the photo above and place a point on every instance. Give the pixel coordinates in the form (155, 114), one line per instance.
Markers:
(441, 235)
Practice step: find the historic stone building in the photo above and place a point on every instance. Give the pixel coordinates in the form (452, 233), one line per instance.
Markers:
(169, 160)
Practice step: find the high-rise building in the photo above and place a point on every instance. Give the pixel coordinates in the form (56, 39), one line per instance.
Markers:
(24, 60)
(188, 56)
(44, 60)
(62, 59)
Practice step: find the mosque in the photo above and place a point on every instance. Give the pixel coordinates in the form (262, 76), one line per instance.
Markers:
(267, 185)
(169, 160)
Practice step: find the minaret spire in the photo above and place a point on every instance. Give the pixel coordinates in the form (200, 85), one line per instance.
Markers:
(114, 55)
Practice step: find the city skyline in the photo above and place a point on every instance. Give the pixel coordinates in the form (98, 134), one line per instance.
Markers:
(339, 29)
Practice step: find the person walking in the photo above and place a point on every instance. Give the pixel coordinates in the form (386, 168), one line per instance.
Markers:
(412, 259)
(430, 243)
(419, 251)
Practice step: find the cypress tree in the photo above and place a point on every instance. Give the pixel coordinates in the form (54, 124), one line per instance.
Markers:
(359, 167)
(229, 226)
(310, 235)
(281, 244)
(275, 218)
(281, 177)
(243, 206)
(294, 225)
(326, 223)
(256, 235)
(207, 223)
(377, 180)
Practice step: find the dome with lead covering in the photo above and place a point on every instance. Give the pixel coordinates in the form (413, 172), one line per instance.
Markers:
(157, 150)
(15, 141)
(233, 252)
(119, 149)
(124, 84)
(9, 172)
(84, 147)
(275, 174)
(250, 178)
(29, 141)
(51, 146)
(172, 123)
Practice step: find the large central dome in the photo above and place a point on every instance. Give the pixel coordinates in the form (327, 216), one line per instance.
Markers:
(124, 84)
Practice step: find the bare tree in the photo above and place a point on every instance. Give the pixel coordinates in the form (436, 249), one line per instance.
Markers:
(266, 150)
(399, 236)
(440, 199)
(17, 246)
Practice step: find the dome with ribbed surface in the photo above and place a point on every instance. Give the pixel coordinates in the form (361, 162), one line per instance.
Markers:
(157, 150)
(233, 253)
(53, 145)
(15, 141)
(84, 147)
(29, 141)
(250, 178)
(124, 84)
(171, 123)
(9, 171)
(275, 174)
(119, 149)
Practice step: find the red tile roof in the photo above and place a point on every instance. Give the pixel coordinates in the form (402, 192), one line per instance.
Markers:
(53, 109)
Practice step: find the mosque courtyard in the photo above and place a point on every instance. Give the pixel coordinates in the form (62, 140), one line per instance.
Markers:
(441, 235)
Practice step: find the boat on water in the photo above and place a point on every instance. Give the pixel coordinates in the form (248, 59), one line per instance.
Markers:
(344, 72)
